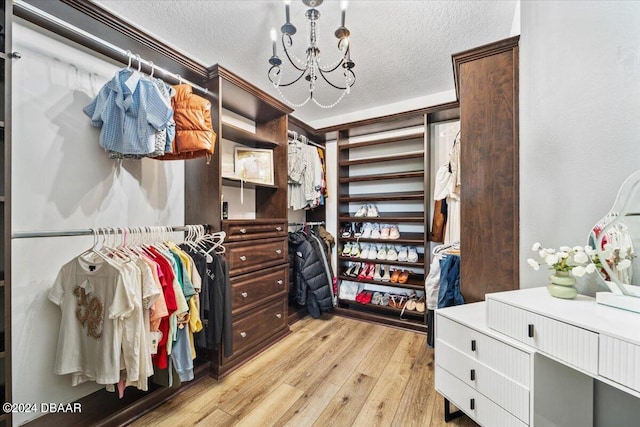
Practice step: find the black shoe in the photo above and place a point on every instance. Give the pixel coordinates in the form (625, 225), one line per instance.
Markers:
(357, 229)
(345, 229)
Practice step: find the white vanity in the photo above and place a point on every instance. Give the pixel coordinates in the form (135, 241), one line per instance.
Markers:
(526, 358)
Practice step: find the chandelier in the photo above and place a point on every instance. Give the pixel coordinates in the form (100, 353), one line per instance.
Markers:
(311, 67)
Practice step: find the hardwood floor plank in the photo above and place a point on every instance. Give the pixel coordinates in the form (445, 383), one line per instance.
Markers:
(381, 406)
(379, 355)
(306, 410)
(417, 404)
(271, 407)
(217, 418)
(345, 406)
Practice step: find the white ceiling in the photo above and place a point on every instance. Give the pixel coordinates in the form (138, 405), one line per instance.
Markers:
(402, 49)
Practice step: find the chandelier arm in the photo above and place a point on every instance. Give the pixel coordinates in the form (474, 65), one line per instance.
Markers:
(290, 83)
(337, 66)
(286, 52)
(336, 87)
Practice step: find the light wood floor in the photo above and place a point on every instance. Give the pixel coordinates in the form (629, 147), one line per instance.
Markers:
(328, 372)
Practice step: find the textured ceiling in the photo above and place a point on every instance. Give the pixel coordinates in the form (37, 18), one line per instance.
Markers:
(402, 49)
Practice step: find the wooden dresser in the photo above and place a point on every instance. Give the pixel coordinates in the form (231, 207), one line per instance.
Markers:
(257, 257)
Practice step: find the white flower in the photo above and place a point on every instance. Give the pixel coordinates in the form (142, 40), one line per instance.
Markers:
(551, 259)
(563, 254)
(581, 258)
(536, 246)
(624, 264)
(578, 249)
(578, 271)
(590, 268)
(590, 251)
(550, 250)
(543, 253)
(534, 264)
(565, 248)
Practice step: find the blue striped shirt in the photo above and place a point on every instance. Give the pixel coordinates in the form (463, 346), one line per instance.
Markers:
(130, 109)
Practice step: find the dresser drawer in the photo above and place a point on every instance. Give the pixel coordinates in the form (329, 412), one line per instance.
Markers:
(620, 361)
(497, 355)
(254, 255)
(503, 391)
(472, 402)
(570, 344)
(238, 230)
(249, 290)
(259, 325)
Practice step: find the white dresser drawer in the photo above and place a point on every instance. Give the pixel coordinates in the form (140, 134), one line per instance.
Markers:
(503, 391)
(620, 361)
(473, 403)
(570, 344)
(502, 357)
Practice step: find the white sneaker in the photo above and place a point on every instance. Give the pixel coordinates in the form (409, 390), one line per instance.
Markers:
(373, 253)
(366, 230)
(412, 256)
(362, 211)
(375, 231)
(364, 253)
(372, 212)
(377, 275)
(392, 255)
(382, 253)
(403, 254)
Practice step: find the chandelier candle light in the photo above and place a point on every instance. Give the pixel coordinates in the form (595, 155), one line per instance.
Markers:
(311, 67)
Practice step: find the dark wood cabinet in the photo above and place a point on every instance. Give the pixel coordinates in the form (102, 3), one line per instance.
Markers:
(256, 243)
(487, 85)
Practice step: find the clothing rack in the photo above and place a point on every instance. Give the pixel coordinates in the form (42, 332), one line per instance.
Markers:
(297, 137)
(312, 223)
(99, 230)
(126, 54)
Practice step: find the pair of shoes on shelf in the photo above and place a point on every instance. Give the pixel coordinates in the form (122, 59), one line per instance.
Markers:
(408, 254)
(346, 249)
(362, 211)
(364, 297)
(366, 272)
(368, 230)
(400, 276)
(353, 270)
(397, 300)
(380, 298)
(346, 229)
(382, 273)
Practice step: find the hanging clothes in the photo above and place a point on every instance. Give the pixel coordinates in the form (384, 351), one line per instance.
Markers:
(306, 176)
(129, 109)
(447, 189)
(195, 136)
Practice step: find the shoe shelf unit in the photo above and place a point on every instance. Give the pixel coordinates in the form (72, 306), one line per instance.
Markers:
(386, 163)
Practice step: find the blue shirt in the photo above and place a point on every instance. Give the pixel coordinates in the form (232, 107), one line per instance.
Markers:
(130, 109)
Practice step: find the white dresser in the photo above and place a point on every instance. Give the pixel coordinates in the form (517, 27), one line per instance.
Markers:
(526, 358)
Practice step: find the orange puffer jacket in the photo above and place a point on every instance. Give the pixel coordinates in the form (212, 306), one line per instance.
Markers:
(194, 133)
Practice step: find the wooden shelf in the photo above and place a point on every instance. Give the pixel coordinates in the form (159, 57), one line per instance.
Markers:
(2, 199)
(381, 141)
(386, 217)
(412, 284)
(412, 239)
(2, 354)
(383, 177)
(241, 136)
(419, 264)
(1, 283)
(236, 182)
(382, 197)
(1, 124)
(374, 314)
(369, 160)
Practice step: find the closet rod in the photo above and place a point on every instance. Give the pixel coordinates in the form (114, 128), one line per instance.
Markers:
(88, 36)
(91, 232)
(307, 223)
(296, 137)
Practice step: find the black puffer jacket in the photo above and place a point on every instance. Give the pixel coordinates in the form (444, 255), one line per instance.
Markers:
(313, 286)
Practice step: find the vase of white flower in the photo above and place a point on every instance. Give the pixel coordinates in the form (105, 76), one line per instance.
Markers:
(568, 263)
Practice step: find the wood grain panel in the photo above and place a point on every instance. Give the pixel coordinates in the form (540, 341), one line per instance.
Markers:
(489, 173)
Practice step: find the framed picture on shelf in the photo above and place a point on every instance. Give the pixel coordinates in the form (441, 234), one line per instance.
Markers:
(254, 165)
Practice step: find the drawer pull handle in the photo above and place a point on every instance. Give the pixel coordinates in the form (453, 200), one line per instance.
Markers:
(243, 230)
(278, 251)
(472, 404)
(530, 331)
(279, 316)
(280, 282)
(244, 294)
(473, 345)
(243, 258)
(243, 334)
(473, 375)
(278, 228)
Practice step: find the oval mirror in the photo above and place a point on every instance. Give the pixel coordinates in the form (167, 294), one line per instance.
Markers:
(614, 238)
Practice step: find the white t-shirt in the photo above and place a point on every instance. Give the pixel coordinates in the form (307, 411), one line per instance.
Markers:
(92, 298)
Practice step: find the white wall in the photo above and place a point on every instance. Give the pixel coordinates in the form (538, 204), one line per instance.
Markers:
(63, 180)
(579, 118)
